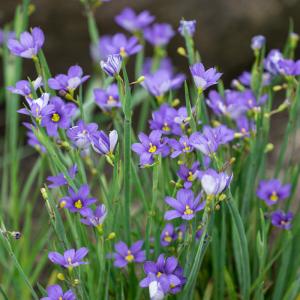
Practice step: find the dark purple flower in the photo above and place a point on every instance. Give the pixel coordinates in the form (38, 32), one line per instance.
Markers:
(78, 201)
(55, 292)
(159, 34)
(149, 147)
(60, 179)
(183, 145)
(81, 134)
(107, 98)
(209, 141)
(272, 191)
(257, 42)
(70, 259)
(68, 83)
(133, 22)
(289, 67)
(271, 62)
(119, 44)
(188, 175)
(168, 235)
(167, 272)
(112, 65)
(23, 87)
(214, 183)
(95, 217)
(59, 116)
(281, 219)
(124, 255)
(161, 82)
(103, 144)
(185, 205)
(204, 78)
(164, 120)
(29, 44)
(187, 27)
(245, 126)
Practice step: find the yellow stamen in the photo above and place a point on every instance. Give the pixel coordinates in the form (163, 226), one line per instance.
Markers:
(152, 148)
(166, 127)
(111, 100)
(191, 176)
(78, 204)
(69, 260)
(188, 210)
(129, 257)
(274, 196)
(60, 298)
(62, 204)
(186, 147)
(172, 286)
(158, 274)
(123, 52)
(55, 117)
(167, 237)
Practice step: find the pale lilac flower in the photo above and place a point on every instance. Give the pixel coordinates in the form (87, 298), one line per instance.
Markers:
(60, 179)
(183, 145)
(23, 87)
(159, 34)
(168, 235)
(133, 22)
(95, 217)
(29, 44)
(187, 27)
(258, 42)
(271, 62)
(70, 259)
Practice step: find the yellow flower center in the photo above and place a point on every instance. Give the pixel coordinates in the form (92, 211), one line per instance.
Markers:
(78, 204)
(55, 117)
(172, 285)
(123, 52)
(186, 147)
(191, 177)
(152, 148)
(62, 204)
(167, 237)
(243, 131)
(166, 127)
(69, 260)
(188, 210)
(129, 257)
(158, 274)
(111, 100)
(274, 196)
(60, 298)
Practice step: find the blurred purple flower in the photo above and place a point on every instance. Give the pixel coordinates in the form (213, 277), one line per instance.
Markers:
(188, 175)
(271, 62)
(159, 34)
(281, 219)
(289, 67)
(60, 179)
(23, 87)
(168, 235)
(183, 145)
(95, 217)
(187, 27)
(55, 292)
(257, 42)
(107, 98)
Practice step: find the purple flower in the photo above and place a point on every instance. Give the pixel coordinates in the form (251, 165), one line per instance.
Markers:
(55, 292)
(29, 44)
(38, 107)
(124, 255)
(185, 205)
(59, 116)
(23, 87)
(60, 179)
(165, 64)
(245, 126)
(133, 22)
(245, 78)
(188, 175)
(182, 146)
(112, 66)
(281, 219)
(209, 141)
(149, 147)
(272, 191)
(168, 235)
(164, 120)
(78, 201)
(70, 82)
(166, 272)
(258, 42)
(119, 44)
(187, 27)
(271, 62)
(95, 217)
(32, 139)
(159, 34)
(70, 259)
(161, 82)
(81, 134)
(103, 144)
(108, 98)
(289, 67)
(214, 183)
(204, 78)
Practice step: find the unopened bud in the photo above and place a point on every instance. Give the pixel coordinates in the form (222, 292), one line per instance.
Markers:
(175, 102)
(269, 147)
(60, 276)
(75, 282)
(62, 204)
(181, 51)
(111, 236)
(44, 193)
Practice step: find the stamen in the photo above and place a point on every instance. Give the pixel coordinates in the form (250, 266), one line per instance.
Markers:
(55, 117)
(188, 210)
(78, 204)
(129, 257)
(152, 148)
